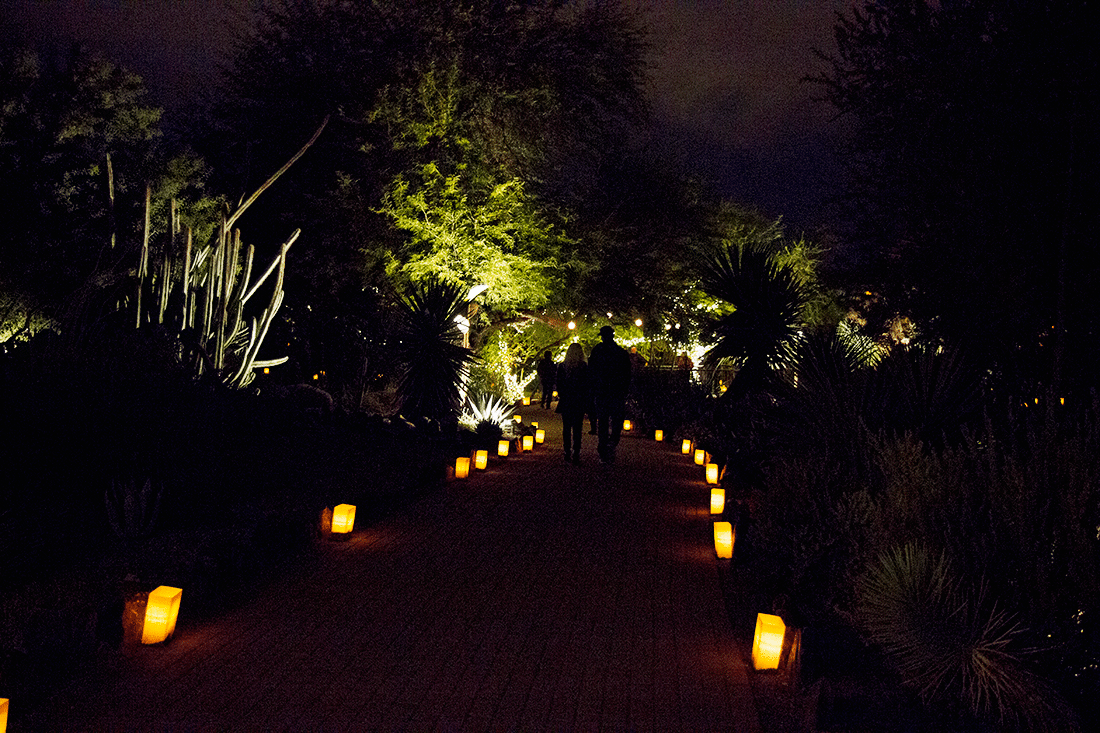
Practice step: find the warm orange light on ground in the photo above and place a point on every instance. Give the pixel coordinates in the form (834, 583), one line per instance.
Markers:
(528, 442)
(767, 643)
(627, 425)
(161, 612)
(717, 501)
(723, 540)
(481, 460)
(526, 401)
(540, 436)
(518, 418)
(685, 447)
(659, 435)
(712, 473)
(700, 457)
(462, 467)
(3, 714)
(343, 518)
(502, 448)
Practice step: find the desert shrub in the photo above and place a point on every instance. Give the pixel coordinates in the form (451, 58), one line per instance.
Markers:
(931, 391)
(822, 412)
(1016, 506)
(666, 399)
(953, 643)
(809, 538)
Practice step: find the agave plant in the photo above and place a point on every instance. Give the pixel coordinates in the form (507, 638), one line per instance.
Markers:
(951, 643)
(432, 362)
(487, 409)
(761, 332)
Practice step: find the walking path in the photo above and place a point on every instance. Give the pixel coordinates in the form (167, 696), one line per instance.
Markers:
(535, 596)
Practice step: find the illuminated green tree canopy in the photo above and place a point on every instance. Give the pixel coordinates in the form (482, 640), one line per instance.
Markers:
(465, 134)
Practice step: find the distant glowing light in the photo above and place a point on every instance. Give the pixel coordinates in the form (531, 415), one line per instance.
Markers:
(638, 322)
(572, 325)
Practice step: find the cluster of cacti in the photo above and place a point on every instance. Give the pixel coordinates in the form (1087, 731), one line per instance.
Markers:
(203, 292)
(210, 287)
(133, 506)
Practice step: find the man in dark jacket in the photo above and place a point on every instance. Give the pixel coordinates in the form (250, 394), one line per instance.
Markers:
(609, 378)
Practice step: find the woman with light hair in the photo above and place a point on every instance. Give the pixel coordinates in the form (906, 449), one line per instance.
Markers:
(572, 384)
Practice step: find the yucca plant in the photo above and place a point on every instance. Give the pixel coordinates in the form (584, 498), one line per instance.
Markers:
(760, 334)
(433, 365)
(953, 644)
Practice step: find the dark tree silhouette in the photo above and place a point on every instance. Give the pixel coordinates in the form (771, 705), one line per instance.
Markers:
(972, 170)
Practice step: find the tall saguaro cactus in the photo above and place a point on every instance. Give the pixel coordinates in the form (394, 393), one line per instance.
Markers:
(213, 284)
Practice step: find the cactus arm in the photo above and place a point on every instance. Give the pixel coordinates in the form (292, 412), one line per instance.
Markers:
(278, 261)
(244, 206)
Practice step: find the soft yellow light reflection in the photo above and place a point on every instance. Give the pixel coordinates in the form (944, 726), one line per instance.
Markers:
(717, 501)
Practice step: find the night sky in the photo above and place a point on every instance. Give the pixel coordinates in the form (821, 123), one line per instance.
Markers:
(724, 79)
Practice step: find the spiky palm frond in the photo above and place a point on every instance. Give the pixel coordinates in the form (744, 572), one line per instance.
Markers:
(433, 363)
(762, 331)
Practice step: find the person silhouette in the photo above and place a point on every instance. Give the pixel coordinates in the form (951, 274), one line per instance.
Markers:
(547, 371)
(609, 375)
(572, 384)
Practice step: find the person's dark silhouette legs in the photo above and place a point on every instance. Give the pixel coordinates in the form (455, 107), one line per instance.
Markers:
(572, 428)
(603, 433)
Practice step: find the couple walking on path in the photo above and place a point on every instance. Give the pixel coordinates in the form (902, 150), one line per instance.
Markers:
(598, 386)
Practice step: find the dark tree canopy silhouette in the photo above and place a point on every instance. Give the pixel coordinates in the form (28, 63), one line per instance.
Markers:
(972, 171)
(72, 130)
